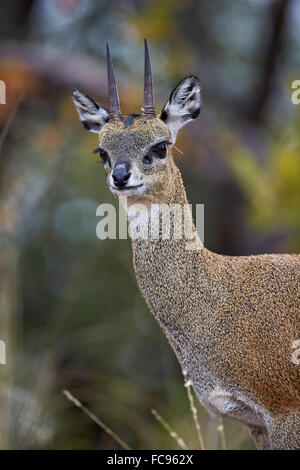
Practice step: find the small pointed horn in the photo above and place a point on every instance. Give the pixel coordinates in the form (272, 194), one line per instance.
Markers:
(149, 107)
(114, 103)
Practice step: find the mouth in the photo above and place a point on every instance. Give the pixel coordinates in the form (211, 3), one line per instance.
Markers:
(126, 188)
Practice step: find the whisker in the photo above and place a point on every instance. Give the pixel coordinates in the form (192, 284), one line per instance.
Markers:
(178, 150)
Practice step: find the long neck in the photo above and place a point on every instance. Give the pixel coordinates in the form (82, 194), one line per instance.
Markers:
(165, 268)
(172, 212)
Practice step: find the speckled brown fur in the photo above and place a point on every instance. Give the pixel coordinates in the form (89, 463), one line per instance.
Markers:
(230, 320)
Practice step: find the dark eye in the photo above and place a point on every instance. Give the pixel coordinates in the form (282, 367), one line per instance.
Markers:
(160, 149)
(103, 154)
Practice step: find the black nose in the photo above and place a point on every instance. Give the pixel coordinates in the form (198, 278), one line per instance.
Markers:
(121, 174)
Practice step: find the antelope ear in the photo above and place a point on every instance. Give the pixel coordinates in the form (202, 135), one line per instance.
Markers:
(92, 115)
(183, 105)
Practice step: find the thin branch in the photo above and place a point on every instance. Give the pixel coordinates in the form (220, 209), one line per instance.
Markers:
(96, 420)
(59, 69)
(221, 431)
(168, 428)
(187, 384)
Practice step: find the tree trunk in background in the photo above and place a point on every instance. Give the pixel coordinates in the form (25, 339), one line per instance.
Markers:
(271, 53)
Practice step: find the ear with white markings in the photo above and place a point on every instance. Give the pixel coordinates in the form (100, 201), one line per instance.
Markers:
(183, 105)
(92, 115)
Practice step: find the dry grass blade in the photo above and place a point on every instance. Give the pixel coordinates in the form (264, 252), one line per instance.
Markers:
(221, 431)
(187, 384)
(168, 428)
(96, 420)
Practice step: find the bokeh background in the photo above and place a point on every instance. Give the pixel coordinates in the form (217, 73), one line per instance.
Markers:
(70, 311)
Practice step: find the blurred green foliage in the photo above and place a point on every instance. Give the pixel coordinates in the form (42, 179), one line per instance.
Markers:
(272, 185)
(71, 312)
